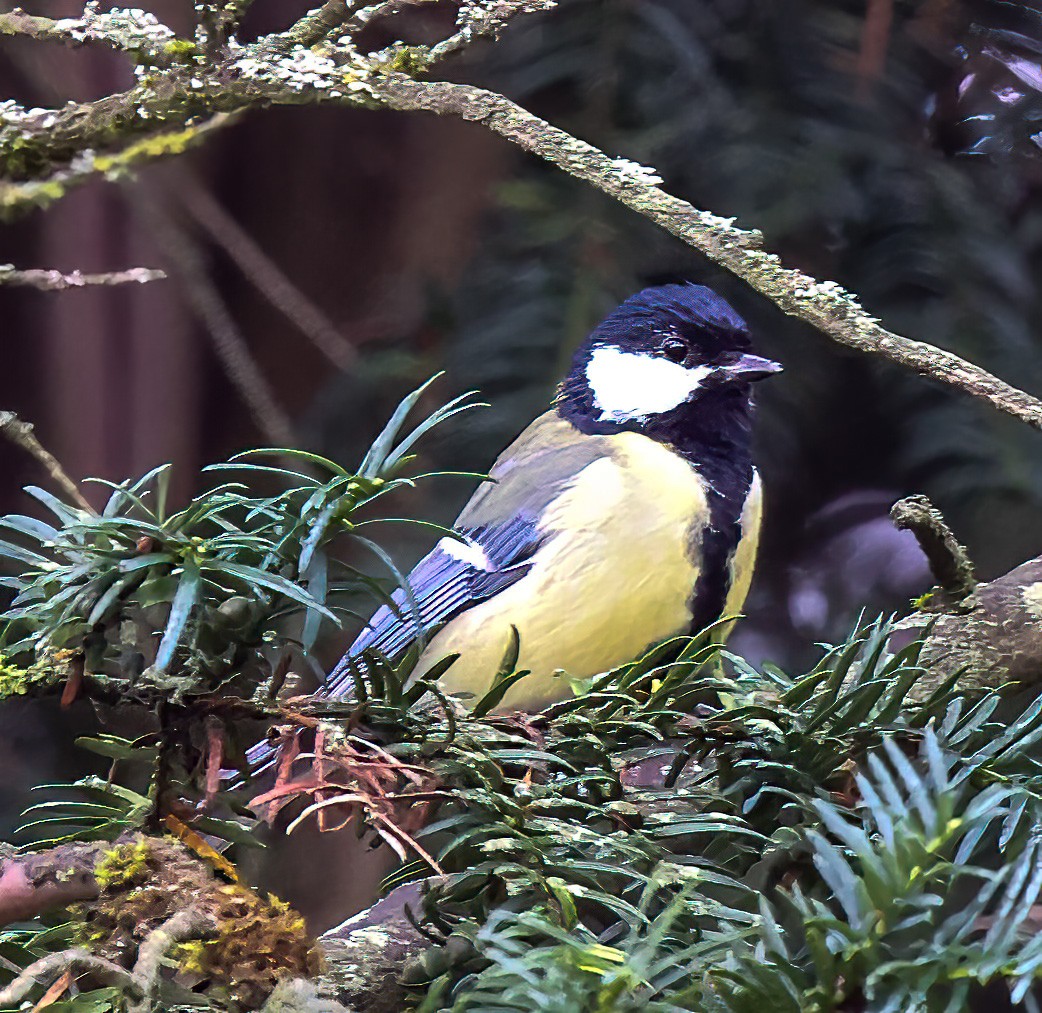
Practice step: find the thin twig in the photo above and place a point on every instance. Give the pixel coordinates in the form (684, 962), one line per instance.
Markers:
(21, 433)
(488, 20)
(54, 964)
(58, 281)
(388, 8)
(231, 347)
(265, 274)
(314, 26)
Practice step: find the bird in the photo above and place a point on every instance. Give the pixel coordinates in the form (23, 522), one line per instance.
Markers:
(627, 514)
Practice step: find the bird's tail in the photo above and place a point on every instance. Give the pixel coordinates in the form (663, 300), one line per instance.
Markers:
(262, 756)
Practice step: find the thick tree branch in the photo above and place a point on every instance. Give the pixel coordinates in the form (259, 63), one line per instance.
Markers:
(32, 883)
(366, 955)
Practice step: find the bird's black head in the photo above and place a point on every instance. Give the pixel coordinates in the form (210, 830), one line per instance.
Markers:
(672, 362)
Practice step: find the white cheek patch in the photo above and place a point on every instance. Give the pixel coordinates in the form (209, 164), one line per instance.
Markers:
(632, 385)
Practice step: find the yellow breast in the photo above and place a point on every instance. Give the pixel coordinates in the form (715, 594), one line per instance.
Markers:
(614, 576)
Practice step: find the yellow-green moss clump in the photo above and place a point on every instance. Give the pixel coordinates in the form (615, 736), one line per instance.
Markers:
(258, 942)
(181, 50)
(125, 865)
(51, 667)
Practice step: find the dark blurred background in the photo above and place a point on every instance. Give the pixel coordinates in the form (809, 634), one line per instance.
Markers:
(324, 261)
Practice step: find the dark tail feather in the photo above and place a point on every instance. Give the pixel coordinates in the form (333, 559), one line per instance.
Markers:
(261, 756)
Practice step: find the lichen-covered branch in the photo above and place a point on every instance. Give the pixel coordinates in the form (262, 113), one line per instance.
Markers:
(135, 32)
(44, 152)
(825, 305)
(59, 281)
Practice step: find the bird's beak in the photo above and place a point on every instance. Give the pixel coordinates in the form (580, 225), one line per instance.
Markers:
(750, 368)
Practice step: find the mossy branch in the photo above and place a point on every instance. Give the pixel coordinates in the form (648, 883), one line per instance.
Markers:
(44, 152)
(949, 562)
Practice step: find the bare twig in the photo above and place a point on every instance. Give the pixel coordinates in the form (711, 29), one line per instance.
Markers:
(231, 347)
(266, 276)
(55, 964)
(22, 433)
(57, 281)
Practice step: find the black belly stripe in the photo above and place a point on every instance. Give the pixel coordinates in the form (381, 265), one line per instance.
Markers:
(713, 437)
(718, 545)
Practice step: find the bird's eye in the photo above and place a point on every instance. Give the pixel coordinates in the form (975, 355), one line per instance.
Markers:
(675, 350)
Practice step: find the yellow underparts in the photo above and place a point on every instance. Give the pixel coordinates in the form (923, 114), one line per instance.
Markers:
(614, 576)
(744, 561)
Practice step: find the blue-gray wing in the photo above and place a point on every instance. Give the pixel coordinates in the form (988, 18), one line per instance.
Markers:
(452, 578)
(444, 583)
(501, 527)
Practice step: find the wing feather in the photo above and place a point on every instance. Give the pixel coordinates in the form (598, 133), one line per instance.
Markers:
(443, 584)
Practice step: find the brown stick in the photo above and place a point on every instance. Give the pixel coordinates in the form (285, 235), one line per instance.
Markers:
(949, 562)
(22, 433)
(875, 40)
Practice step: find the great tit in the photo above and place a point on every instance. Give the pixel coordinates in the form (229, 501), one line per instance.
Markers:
(627, 514)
